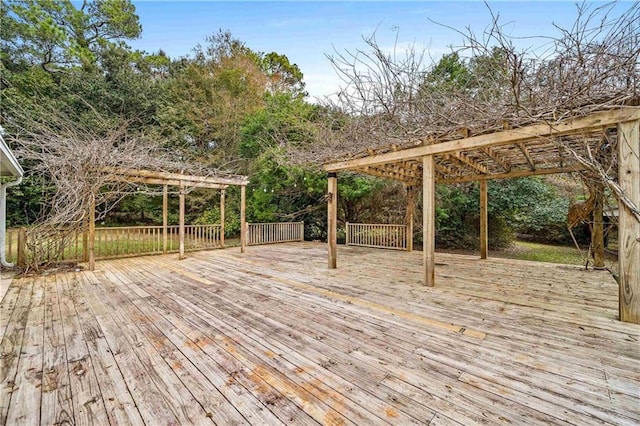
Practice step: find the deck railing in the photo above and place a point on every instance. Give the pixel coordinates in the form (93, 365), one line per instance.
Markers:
(130, 241)
(270, 233)
(110, 242)
(51, 245)
(377, 235)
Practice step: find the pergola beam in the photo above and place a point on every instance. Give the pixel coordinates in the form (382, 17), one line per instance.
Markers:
(497, 158)
(579, 125)
(172, 182)
(467, 161)
(519, 173)
(525, 151)
(192, 179)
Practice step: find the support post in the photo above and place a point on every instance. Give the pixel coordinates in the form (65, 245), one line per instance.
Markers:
(243, 223)
(408, 217)
(85, 240)
(92, 233)
(181, 224)
(628, 225)
(332, 218)
(597, 233)
(429, 218)
(222, 196)
(22, 247)
(484, 220)
(165, 218)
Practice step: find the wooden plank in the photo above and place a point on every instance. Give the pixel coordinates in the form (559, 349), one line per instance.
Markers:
(597, 232)
(595, 121)
(165, 218)
(222, 218)
(56, 406)
(332, 219)
(11, 346)
(243, 219)
(120, 406)
(429, 219)
(628, 225)
(92, 233)
(409, 213)
(28, 380)
(222, 180)
(525, 151)
(86, 399)
(484, 220)
(161, 394)
(181, 229)
(515, 174)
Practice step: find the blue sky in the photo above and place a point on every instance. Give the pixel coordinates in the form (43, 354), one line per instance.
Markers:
(306, 31)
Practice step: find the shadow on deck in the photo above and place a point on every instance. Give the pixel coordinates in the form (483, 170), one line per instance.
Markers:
(274, 337)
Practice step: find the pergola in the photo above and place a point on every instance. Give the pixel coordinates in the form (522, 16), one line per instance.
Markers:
(182, 181)
(533, 150)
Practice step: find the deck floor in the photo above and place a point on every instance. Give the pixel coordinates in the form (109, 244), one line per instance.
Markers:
(273, 337)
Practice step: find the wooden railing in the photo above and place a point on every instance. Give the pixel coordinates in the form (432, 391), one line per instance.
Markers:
(376, 235)
(130, 241)
(126, 241)
(22, 246)
(110, 243)
(269, 233)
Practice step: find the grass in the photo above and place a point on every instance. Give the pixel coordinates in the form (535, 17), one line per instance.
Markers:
(523, 250)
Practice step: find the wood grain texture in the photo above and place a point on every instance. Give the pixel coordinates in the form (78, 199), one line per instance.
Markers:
(243, 218)
(484, 220)
(222, 216)
(429, 219)
(628, 225)
(274, 337)
(332, 220)
(181, 223)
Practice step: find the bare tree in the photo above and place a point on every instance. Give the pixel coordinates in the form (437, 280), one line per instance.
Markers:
(78, 166)
(388, 97)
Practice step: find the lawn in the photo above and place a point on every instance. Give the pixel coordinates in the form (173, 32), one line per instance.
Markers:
(524, 250)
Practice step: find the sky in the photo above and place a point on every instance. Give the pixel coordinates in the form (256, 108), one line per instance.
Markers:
(307, 31)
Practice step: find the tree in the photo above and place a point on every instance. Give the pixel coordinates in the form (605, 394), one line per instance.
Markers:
(211, 94)
(283, 75)
(54, 34)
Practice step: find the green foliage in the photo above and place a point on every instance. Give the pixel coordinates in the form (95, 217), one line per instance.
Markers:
(524, 206)
(284, 118)
(54, 33)
(284, 77)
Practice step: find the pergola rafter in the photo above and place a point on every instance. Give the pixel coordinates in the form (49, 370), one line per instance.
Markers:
(534, 150)
(182, 181)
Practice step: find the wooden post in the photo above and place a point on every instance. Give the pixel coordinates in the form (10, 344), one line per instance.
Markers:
(429, 218)
(181, 224)
(628, 225)
(332, 219)
(597, 233)
(22, 247)
(222, 196)
(165, 218)
(484, 220)
(85, 240)
(92, 233)
(243, 224)
(408, 217)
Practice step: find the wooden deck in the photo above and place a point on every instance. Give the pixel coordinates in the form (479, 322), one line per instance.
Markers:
(273, 337)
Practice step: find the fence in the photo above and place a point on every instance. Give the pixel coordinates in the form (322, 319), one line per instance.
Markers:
(110, 243)
(376, 235)
(270, 233)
